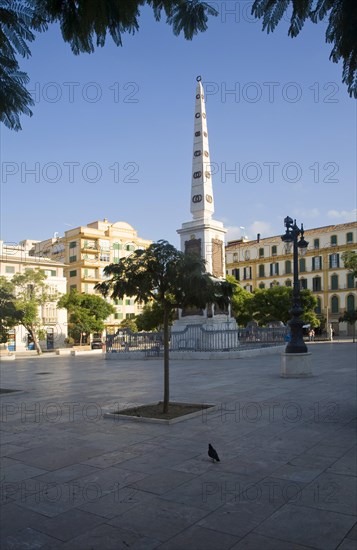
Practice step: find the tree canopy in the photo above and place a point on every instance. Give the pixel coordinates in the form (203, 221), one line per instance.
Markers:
(10, 316)
(87, 313)
(341, 31)
(85, 24)
(27, 292)
(168, 277)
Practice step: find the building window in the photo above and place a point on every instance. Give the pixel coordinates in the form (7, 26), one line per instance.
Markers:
(261, 270)
(274, 250)
(50, 272)
(350, 303)
(333, 240)
(287, 267)
(334, 304)
(197, 153)
(130, 316)
(73, 244)
(261, 252)
(287, 282)
(349, 237)
(197, 175)
(302, 265)
(274, 283)
(9, 269)
(118, 315)
(235, 256)
(117, 246)
(350, 280)
(303, 284)
(334, 260)
(73, 287)
(316, 243)
(235, 273)
(104, 257)
(316, 284)
(261, 285)
(73, 273)
(318, 307)
(247, 254)
(316, 263)
(247, 273)
(334, 282)
(130, 247)
(274, 269)
(72, 259)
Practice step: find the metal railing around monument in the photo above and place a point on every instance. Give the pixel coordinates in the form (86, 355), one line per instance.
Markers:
(195, 338)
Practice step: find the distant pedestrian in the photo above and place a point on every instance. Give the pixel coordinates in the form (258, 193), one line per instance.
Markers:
(311, 335)
(331, 333)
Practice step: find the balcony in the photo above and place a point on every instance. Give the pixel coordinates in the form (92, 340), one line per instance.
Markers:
(89, 248)
(49, 320)
(91, 278)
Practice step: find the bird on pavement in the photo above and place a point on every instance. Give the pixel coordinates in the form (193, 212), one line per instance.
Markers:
(212, 453)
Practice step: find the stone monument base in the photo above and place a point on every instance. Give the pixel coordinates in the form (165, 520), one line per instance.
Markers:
(295, 365)
(204, 334)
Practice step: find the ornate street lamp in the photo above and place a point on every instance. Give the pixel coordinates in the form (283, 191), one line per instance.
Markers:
(296, 344)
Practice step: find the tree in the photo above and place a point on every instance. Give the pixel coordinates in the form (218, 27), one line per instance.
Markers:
(84, 24)
(240, 302)
(151, 317)
(86, 313)
(274, 304)
(18, 20)
(172, 279)
(31, 293)
(129, 324)
(350, 261)
(341, 28)
(9, 315)
(350, 317)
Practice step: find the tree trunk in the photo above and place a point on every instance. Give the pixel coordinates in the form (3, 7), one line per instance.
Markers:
(166, 361)
(35, 340)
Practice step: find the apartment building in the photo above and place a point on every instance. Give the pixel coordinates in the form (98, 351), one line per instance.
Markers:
(263, 263)
(16, 258)
(86, 251)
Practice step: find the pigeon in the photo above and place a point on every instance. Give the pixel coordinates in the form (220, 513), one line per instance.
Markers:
(212, 453)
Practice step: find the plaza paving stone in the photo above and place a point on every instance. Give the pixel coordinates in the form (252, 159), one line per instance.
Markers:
(73, 480)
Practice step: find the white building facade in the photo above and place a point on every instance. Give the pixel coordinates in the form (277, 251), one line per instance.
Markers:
(15, 259)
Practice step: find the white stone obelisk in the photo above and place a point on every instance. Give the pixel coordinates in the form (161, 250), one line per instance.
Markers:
(203, 235)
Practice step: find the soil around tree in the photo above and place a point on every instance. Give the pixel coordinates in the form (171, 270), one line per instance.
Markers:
(154, 410)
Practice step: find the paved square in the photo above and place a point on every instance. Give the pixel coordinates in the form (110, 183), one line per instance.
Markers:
(71, 479)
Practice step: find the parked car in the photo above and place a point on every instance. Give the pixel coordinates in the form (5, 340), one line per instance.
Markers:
(96, 343)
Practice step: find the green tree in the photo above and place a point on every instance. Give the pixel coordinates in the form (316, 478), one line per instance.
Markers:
(84, 24)
(240, 302)
(9, 315)
(31, 293)
(129, 324)
(350, 317)
(340, 32)
(18, 20)
(350, 261)
(151, 317)
(172, 279)
(274, 304)
(86, 313)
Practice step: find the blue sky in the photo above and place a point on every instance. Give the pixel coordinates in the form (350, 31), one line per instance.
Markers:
(112, 132)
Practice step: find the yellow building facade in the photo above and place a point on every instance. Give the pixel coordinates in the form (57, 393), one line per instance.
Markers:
(263, 263)
(87, 250)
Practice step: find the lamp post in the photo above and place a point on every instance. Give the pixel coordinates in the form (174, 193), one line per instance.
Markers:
(296, 344)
